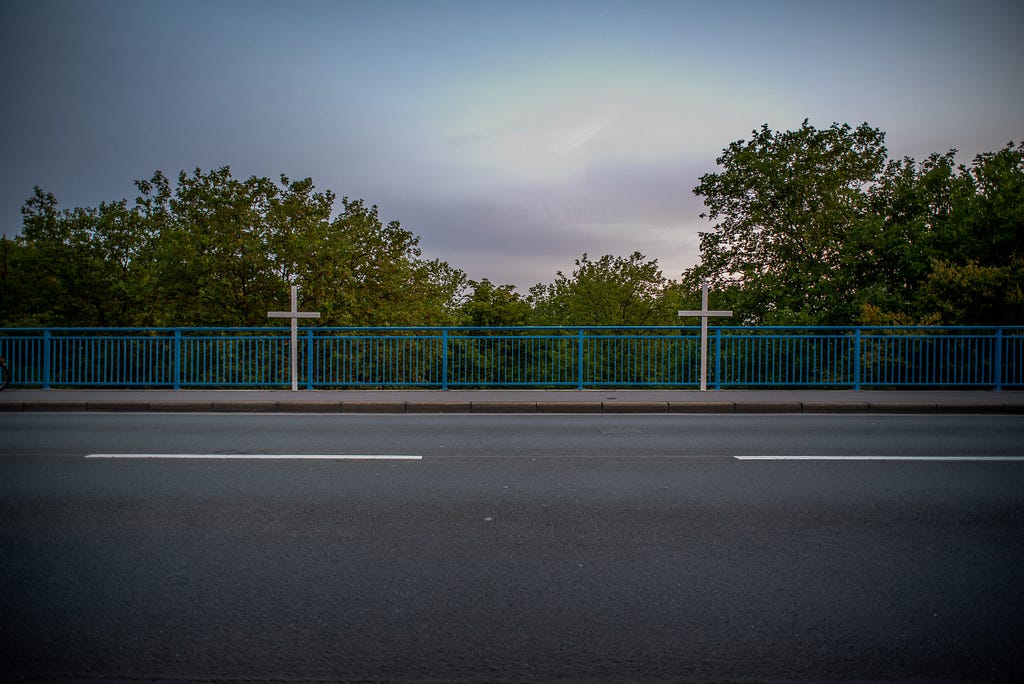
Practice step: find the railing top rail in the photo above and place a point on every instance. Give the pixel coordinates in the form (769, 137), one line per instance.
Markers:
(520, 328)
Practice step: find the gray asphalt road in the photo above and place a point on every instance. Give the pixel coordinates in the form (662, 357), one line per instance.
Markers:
(579, 548)
(514, 435)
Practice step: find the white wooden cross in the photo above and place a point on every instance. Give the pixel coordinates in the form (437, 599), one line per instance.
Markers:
(295, 315)
(704, 315)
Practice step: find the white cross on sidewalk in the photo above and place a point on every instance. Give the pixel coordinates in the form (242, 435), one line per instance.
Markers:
(295, 315)
(704, 315)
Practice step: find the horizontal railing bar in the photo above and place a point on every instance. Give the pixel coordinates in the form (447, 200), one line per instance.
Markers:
(759, 332)
(569, 329)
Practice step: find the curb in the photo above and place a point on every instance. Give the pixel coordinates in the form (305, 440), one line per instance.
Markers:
(836, 407)
(112, 406)
(635, 407)
(519, 407)
(701, 407)
(245, 407)
(969, 408)
(178, 406)
(503, 407)
(570, 406)
(902, 407)
(373, 407)
(438, 407)
(309, 407)
(769, 407)
(55, 406)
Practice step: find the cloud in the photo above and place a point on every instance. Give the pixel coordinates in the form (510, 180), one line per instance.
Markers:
(524, 233)
(511, 137)
(566, 141)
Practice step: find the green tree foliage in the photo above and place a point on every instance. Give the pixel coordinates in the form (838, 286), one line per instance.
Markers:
(71, 267)
(214, 262)
(216, 250)
(817, 227)
(785, 205)
(494, 305)
(945, 242)
(610, 291)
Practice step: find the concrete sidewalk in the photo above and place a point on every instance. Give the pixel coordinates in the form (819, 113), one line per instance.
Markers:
(516, 401)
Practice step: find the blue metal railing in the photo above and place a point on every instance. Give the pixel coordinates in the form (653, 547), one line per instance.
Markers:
(556, 357)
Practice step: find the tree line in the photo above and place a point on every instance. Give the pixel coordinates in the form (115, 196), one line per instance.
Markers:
(819, 227)
(809, 227)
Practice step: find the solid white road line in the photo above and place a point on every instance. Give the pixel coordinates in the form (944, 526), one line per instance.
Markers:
(879, 458)
(270, 457)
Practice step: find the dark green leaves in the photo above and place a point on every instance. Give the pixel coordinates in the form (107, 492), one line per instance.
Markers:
(215, 250)
(817, 227)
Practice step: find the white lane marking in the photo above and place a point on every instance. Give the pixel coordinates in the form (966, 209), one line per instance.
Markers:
(270, 457)
(879, 458)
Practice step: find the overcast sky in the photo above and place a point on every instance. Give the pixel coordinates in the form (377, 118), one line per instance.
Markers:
(511, 136)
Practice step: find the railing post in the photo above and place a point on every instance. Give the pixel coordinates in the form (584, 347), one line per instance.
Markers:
(579, 359)
(444, 359)
(856, 359)
(177, 359)
(999, 360)
(309, 358)
(718, 358)
(46, 359)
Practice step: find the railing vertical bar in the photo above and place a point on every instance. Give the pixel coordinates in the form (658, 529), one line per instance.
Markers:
(998, 360)
(309, 358)
(444, 359)
(856, 359)
(46, 359)
(579, 359)
(177, 359)
(718, 358)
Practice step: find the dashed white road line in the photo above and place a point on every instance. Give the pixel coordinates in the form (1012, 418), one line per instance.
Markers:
(268, 457)
(877, 458)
